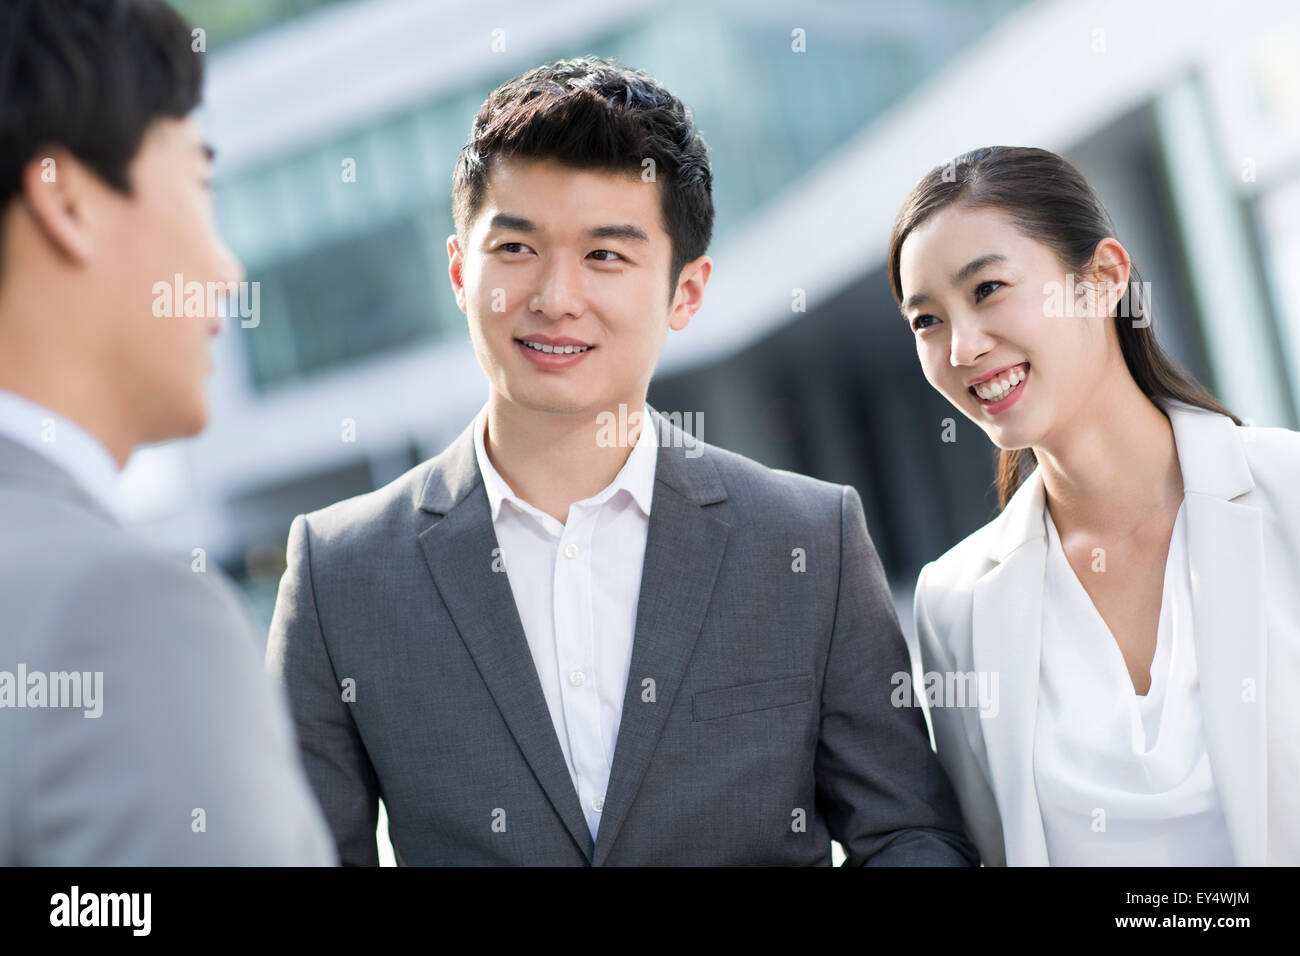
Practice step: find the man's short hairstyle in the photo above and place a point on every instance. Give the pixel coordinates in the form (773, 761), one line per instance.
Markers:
(90, 76)
(588, 113)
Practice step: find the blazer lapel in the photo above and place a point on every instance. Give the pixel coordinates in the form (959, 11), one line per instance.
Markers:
(684, 549)
(459, 552)
(1007, 618)
(1225, 543)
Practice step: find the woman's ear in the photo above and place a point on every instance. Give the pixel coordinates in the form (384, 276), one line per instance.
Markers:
(1109, 270)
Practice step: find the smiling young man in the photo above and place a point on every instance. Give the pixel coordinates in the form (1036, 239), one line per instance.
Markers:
(156, 739)
(546, 647)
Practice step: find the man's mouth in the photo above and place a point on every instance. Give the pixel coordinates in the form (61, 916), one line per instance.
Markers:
(554, 349)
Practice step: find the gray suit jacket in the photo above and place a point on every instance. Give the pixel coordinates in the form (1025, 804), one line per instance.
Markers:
(757, 722)
(191, 759)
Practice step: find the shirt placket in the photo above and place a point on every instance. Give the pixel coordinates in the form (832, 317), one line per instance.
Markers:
(575, 645)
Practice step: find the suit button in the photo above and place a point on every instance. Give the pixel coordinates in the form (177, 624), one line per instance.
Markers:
(570, 550)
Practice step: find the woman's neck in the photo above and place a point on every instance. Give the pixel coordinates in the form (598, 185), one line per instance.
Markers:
(1112, 466)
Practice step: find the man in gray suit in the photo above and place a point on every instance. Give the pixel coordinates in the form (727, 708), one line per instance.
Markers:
(137, 725)
(581, 635)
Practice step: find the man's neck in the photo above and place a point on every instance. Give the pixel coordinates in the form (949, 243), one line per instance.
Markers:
(70, 390)
(552, 460)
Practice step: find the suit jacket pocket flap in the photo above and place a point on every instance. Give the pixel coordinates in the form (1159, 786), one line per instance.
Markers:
(726, 701)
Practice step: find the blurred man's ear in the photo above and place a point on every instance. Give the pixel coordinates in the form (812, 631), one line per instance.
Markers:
(59, 193)
(456, 270)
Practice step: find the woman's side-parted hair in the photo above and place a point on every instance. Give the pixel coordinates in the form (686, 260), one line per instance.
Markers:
(590, 113)
(1049, 201)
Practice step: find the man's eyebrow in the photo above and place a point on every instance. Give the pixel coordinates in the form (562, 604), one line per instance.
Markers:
(504, 220)
(625, 230)
(622, 230)
(962, 274)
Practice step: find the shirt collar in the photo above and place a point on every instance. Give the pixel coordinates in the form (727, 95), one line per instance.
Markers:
(70, 446)
(636, 477)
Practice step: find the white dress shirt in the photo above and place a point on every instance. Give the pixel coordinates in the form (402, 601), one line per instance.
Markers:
(1123, 779)
(576, 586)
(63, 442)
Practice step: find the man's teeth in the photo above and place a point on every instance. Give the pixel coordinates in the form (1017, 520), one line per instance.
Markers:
(556, 349)
(998, 389)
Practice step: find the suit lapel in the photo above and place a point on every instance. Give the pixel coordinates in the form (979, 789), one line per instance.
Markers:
(459, 552)
(1007, 619)
(684, 549)
(1225, 544)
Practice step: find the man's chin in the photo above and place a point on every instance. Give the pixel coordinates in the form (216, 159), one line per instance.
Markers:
(187, 422)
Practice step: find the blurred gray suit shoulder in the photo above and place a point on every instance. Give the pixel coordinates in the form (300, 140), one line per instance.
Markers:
(182, 752)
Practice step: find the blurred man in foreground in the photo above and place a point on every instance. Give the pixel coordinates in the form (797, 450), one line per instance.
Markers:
(136, 726)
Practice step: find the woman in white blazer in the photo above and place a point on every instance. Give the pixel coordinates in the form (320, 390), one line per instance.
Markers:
(1112, 665)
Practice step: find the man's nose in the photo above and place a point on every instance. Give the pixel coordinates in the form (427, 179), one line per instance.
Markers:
(230, 268)
(559, 293)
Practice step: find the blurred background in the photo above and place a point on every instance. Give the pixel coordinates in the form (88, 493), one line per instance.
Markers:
(820, 116)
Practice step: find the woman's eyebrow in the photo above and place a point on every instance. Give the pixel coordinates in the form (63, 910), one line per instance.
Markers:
(962, 274)
(975, 265)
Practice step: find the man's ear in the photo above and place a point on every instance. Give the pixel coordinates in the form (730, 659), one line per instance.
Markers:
(456, 270)
(58, 192)
(1110, 270)
(690, 292)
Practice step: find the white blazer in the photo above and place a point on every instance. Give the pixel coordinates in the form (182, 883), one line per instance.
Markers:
(979, 609)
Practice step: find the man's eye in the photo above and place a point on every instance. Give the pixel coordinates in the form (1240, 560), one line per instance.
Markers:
(991, 285)
(919, 322)
(512, 246)
(607, 252)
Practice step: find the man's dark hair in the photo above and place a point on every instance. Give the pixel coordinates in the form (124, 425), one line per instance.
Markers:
(90, 76)
(589, 113)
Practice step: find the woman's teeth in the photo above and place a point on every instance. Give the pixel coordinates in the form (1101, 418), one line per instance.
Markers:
(556, 349)
(1000, 388)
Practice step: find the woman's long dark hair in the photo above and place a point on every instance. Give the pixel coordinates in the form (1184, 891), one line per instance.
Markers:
(1048, 201)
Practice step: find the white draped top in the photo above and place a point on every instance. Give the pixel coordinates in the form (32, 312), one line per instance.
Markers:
(1122, 779)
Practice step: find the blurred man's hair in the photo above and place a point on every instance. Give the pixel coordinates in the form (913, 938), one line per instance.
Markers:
(90, 76)
(588, 113)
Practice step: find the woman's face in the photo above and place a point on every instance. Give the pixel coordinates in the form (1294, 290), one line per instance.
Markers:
(1002, 332)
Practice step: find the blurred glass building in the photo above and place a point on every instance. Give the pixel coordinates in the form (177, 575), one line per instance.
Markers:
(337, 124)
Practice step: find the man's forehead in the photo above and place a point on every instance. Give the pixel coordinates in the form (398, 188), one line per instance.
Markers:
(511, 185)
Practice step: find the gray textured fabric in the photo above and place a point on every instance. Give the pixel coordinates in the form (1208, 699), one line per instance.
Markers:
(188, 718)
(771, 688)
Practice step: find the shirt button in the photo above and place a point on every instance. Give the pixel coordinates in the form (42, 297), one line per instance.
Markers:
(598, 804)
(577, 678)
(570, 550)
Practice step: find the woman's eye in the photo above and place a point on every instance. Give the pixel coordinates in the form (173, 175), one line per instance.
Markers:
(608, 252)
(992, 286)
(919, 322)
